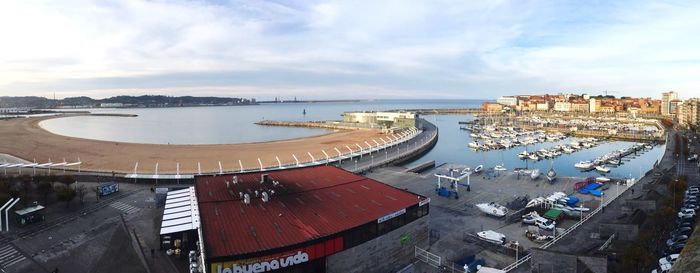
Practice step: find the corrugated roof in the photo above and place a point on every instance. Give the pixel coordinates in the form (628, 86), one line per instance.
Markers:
(309, 203)
(181, 213)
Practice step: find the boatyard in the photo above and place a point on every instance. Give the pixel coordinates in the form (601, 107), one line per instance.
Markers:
(456, 218)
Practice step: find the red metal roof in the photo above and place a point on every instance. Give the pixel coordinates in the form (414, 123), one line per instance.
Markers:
(309, 203)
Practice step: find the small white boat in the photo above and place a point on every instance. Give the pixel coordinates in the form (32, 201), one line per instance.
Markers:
(500, 168)
(474, 145)
(551, 175)
(478, 169)
(466, 170)
(602, 179)
(492, 209)
(533, 157)
(602, 169)
(492, 237)
(584, 165)
(534, 174)
(530, 218)
(523, 155)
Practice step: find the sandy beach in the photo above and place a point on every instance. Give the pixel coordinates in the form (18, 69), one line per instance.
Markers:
(24, 138)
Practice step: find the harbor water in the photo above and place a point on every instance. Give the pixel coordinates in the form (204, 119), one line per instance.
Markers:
(235, 124)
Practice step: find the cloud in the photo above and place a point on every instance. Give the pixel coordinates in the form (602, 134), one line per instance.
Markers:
(382, 49)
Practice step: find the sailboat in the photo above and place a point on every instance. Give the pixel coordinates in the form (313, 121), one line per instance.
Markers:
(500, 167)
(551, 174)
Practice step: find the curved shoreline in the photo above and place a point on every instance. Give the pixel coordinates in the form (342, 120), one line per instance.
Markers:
(42, 119)
(26, 139)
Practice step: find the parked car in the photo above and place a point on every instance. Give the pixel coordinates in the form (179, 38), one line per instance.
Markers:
(686, 213)
(662, 269)
(690, 207)
(687, 231)
(685, 222)
(674, 249)
(545, 223)
(677, 239)
(670, 259)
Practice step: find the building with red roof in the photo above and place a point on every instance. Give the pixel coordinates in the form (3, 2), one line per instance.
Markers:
(314, 219)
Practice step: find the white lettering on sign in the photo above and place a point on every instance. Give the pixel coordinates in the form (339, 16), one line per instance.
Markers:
(423, 202)
(389, 216)
(300, 257)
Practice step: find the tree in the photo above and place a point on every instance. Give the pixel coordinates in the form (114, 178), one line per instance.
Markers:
(81, 191)
(65, 194)
(97, 193)
(44, 188)
(66, 179)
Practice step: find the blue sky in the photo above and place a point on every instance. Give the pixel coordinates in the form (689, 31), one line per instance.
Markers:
(348, 49)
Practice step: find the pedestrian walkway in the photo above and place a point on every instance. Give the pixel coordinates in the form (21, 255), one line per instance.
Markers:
(125, 208)
(9, 256)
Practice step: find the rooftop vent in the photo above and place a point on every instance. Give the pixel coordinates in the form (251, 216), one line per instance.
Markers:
(235, 179)
(265, 197)
(246, 199)
(264, 178)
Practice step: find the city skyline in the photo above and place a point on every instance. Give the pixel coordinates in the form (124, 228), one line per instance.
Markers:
(335, 50)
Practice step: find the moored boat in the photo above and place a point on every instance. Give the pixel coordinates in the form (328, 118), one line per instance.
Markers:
(492, 209)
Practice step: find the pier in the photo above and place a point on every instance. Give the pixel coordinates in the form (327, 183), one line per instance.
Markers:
(445, 111)
(335, 125)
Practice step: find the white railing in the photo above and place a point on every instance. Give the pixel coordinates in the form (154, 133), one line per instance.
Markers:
(427, 257)
(339, 157)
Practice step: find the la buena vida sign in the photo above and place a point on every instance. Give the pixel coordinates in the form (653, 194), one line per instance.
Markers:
(281, 260)
(264, 266)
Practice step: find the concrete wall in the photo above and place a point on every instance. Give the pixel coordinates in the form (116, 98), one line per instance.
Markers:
(544, 261)
(382, 254)
(648, 206)
(626, 232)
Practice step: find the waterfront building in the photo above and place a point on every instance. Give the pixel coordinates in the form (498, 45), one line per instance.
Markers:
(111, 105)
(666, 99)
(594, 105)
(689, 112)
(580, 106)
(673, 107)
(492, 107)
(543, 106)
(314, 219)
(510, 101)
(562, 106)
(398, 119)
(15, 110)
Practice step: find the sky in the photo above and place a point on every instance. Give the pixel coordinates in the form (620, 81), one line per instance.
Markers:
(348, 49)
